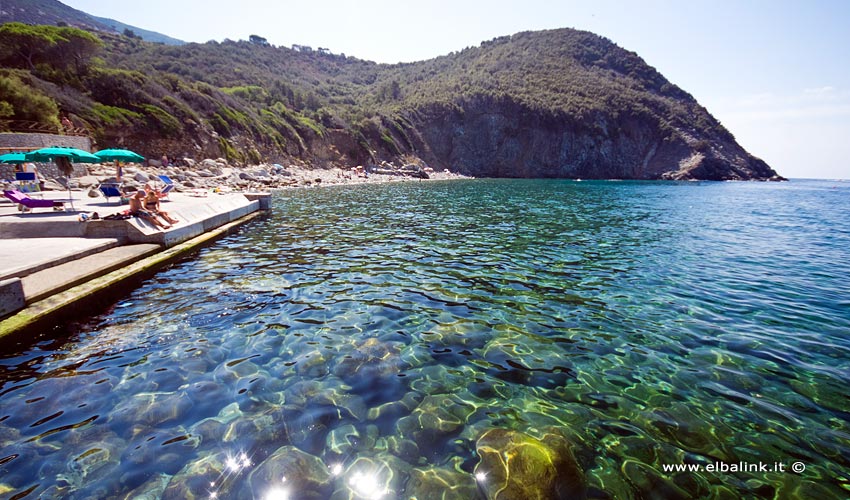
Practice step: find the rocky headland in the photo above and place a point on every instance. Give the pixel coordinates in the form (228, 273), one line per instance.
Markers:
(558, 103)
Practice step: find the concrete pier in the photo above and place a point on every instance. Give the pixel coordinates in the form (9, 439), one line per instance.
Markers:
(51, 262)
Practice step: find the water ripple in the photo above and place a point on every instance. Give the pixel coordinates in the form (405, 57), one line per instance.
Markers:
(648, 323)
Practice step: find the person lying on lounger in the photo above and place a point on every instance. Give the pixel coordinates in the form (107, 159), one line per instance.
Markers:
(137, 208)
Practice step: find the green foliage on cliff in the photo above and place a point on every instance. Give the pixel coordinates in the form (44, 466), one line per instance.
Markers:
(20, 101)
(60, 48)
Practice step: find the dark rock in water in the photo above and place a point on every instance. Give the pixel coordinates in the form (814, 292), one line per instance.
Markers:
(515, 465)
(509, 361)
(200, 478)
(434, 421)
(372, 370)
(291, 470)
(444, 484)
(151, 409)
(404, 449)
(373, 356)
(648, 480)
(209, 430)
(381, 476)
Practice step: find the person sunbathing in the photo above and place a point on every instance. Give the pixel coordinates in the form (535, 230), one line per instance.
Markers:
(137, 209)
(152, 205)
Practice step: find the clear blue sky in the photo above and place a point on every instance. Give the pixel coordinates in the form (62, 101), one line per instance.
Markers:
(776, 73)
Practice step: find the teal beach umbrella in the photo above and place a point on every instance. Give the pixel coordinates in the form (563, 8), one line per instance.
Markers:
(124, 155)
(73, 155)
(13, 158)
(63, 157)
(119, 155)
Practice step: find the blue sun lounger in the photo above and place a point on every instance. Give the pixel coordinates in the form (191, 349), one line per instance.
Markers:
(112, 190)
(169, 185)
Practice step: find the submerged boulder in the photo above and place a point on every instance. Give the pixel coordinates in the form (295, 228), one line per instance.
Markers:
(515, 465)
(290, 469)
(441, 483)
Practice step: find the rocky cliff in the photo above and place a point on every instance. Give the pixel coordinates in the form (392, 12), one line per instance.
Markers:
(503, 139)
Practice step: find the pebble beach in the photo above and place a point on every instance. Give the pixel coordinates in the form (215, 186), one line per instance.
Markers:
(218, 175)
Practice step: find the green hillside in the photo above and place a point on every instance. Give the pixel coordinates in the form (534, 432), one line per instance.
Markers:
(559, 103)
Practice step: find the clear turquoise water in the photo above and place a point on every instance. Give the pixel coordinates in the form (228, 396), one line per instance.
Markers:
(650, 324)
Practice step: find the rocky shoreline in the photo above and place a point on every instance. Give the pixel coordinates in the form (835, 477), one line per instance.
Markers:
(218, 175)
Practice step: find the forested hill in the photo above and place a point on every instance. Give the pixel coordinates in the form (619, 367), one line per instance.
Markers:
(559, 103)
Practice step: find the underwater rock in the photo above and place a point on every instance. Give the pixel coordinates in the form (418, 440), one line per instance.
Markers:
(436, 419)
(153, 489)
(441, 484)
(312, 363)
(90, 466)
(348, 405)
(405, 449)
(156, 452)
(271, 424)
(395, 409)
(217, 474)
(685, 427)
(457, 334)
(209, 430)
(8, 435)
(346, 440)
(527, 361)
(207, 397)
(441, 379)
(825, 391)
(381, 476)
(370, 358)
(293, 473)
(231, 372)
(515, 465)
(203, 391)
(302, 392)
(330, 392)
(645, 479)
(308, 428)
(157, 409)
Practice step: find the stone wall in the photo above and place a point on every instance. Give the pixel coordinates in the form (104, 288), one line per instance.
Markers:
(35, 141)
(10, 142)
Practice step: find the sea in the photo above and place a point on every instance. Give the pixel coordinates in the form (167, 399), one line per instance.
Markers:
(463, 339)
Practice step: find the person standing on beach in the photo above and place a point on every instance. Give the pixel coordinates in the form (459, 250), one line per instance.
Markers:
(67, 126)
(38, 184)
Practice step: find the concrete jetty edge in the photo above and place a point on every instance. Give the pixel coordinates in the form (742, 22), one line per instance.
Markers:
(40, 317)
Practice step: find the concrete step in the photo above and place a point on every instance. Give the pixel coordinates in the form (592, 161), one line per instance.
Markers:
(46, 282)
(21, 257)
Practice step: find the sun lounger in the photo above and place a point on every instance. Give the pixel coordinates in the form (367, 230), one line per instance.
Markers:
(169, 185)
(27, 182)
(31, 203)
(112, 190)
